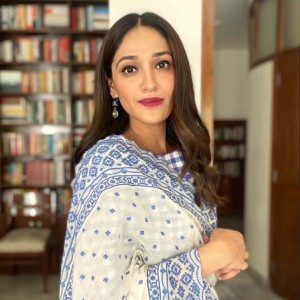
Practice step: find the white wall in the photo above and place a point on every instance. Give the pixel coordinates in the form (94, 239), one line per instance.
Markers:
(243, 93)
(186, 19)
(231, 83)
(258, 167)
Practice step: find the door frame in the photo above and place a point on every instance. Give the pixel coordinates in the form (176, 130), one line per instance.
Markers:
(207, 52)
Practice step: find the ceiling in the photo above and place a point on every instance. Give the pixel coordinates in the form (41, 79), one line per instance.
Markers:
(231, 24)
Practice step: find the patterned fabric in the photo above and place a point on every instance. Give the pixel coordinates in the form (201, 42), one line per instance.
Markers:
(133, 227)
(175, 161)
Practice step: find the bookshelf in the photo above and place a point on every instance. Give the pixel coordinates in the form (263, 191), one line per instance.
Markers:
(48, 51)
(229, 160)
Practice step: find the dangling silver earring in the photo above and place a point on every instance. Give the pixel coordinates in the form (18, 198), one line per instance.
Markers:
(115, 112)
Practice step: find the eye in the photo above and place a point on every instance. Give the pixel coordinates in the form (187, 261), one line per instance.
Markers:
(129, 69)
(163, 64)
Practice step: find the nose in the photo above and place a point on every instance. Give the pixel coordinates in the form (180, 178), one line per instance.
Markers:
(149, 82)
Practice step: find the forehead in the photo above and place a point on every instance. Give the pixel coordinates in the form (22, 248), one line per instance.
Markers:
(142, 40)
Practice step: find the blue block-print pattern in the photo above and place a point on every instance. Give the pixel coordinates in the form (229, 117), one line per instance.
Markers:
(178, 278)
(133, 227)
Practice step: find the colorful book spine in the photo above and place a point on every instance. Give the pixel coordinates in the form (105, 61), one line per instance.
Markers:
(36, 172)
(21, 17)
(90, 17)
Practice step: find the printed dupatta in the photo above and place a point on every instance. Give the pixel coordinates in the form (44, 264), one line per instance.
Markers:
(133, 227)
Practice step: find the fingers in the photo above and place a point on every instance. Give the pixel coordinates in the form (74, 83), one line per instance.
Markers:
(206, 239)
(228, 275)
(247, 255)
(232, 246)
(244, 266)
(231, 271)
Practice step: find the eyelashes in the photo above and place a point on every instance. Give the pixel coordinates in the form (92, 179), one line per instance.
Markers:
(129, 69)
(163, 64)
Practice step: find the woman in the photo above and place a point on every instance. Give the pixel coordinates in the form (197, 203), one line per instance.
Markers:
(142, 224)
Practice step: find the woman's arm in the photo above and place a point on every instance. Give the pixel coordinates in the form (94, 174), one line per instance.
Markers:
(224, 254)
(125, 248)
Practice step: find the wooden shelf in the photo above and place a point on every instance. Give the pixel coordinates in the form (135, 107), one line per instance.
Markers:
(229, 159)
(39, 61)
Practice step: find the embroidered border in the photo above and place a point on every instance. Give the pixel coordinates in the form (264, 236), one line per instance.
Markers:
(178, 278)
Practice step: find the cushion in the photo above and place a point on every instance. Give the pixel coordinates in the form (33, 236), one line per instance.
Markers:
(23, 240)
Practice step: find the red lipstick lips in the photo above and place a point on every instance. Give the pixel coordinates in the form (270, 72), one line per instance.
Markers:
(151, 102)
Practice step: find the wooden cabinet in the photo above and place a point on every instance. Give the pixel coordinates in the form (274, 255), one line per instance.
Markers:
(48, 51)
(229, 160)
(285, 185)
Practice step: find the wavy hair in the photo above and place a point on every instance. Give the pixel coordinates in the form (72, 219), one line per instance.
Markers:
(184, 126)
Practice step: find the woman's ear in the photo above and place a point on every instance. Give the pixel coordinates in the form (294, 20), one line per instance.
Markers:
(112, 89)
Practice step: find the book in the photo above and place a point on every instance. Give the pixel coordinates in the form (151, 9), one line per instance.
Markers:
(13, 110)
(90, 17)
(74, 19)
(63, 198)
(78, 133)
(6, 51)
(6, 17)
(56, 15)
(100, 18)
(54, 80)
(10, 80)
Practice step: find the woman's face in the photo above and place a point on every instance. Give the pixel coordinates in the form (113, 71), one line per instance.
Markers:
(143, 77)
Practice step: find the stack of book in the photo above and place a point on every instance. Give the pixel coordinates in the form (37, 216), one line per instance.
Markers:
(83, 82)
(78, 133)
(21, 17)
(83, 111)
(49, 111)
(86, 51)
(90, 17)
(36, 172)
(19, 143)
(13, 110)
(10, 81)
(55, 80)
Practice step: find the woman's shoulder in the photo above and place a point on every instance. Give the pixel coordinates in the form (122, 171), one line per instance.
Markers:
(110, 146)
(107, 145)
(105, 153)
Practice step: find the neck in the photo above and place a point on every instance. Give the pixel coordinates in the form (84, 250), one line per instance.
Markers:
(152, 138)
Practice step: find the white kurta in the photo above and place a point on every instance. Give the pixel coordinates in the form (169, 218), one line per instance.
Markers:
(134, 227)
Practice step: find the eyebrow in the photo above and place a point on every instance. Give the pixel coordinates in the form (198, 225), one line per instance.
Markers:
(133, 57)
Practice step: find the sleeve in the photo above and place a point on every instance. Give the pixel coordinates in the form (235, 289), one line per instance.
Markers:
(176, 278)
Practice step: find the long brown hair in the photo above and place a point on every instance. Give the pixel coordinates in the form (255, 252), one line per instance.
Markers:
(184, 126)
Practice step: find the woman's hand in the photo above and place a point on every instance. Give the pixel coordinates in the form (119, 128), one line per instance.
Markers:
(234, 247)
(224, 254)
(226, 273)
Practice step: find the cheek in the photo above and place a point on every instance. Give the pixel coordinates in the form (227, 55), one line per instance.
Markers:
(170, 90)
(127, 105)
(170, 84)
(169, 80)
(123, 89)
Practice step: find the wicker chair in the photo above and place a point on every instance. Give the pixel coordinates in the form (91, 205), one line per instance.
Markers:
(29, 236)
